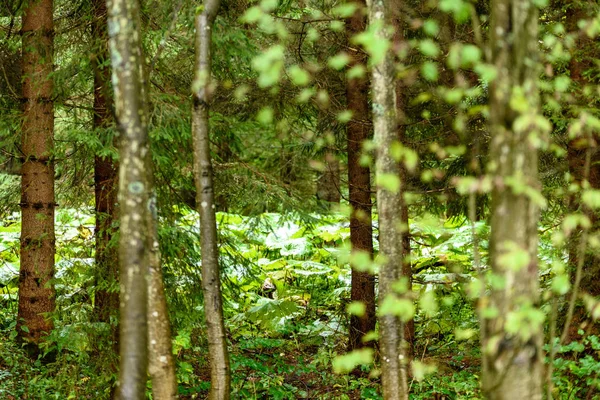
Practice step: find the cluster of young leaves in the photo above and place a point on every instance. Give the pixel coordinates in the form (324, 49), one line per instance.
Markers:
(576, 368)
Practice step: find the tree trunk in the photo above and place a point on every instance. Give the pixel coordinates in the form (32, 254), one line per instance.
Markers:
(394, 362)
(36, 292)
(105, 175)
(161, 366)
(203, 176)
(134, 198)
(512, 355)
(359, 187)
(409, 326)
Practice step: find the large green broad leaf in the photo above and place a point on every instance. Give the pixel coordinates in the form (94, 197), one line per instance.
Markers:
(271, 314)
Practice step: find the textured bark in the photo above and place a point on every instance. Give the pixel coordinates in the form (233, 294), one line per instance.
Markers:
(36, 293)
(161, 366)
(134, 199)
(409, 326)
(145, 340)
(512, 362)
(105, 176)
(394, 362)
(359, 187)
(203, 176)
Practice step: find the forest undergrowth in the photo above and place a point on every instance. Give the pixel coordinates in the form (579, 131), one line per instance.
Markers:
(286, 289)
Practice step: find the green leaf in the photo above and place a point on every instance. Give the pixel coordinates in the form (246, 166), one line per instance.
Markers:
(561, 284)
(357, 308)
(512, 256)
(347, 362)
(454, 56)
(591, 198)
(429, 70)
(524, 322)
(252, 15)
(486, 72)
(519, 101)
(401, 307)
(458, 8)
(406, 154)
(269, 5)
(336, 26)
(344, 10)
(465, 184)
(339, 61)
(431, 27)
(374, 43)
(299, 76)
(396, 150)
(593, 306)
(356, 72)
(269, 65)
(305, 95)
(428, 303)
(470, 55)
(464, 334)
(389, 182)
(265, 115)
(490, 312)
(362, 261)
(453, 96)
(344, 116)
(429, 48)
(572, 221)
(312, 35)
(562, 83)
(420, 369)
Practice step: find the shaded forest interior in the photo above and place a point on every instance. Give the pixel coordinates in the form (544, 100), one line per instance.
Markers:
(278, 199)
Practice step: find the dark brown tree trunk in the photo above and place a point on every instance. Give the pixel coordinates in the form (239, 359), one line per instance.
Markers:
(134, 196)
(203, 176)
(359, 186)
(513, 356)
(36, 293)
(105, 175)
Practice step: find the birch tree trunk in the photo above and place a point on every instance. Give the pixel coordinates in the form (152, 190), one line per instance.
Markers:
(134, 196)
(36, 292)
(512, 338)
(161, 365)
(145, 328)
(359, 185)
(389, 206)
(401, 101)
(203, 176)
